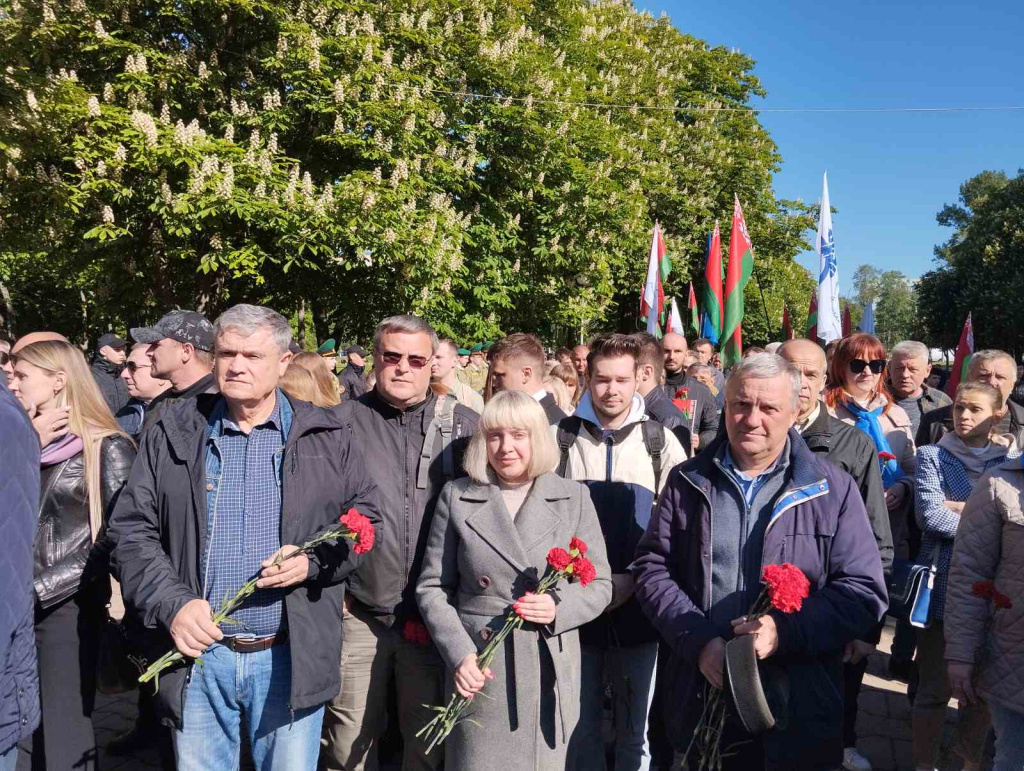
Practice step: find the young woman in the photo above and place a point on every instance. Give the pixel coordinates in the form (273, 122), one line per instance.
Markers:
(947, 473)
(84, 466)
(568, 375)
(488, 545)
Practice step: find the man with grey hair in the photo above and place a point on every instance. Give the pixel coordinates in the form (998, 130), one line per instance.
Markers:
(909, 367)
(772, 501)
(226, 485)
(999, 370)
(413, 441)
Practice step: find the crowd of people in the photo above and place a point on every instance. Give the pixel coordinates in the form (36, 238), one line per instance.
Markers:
(140, 491)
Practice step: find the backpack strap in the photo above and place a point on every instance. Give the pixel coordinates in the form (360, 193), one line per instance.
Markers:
(441, 423)
(568, 430)
(654, 441)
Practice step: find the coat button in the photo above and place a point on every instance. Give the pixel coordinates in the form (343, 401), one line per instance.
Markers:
(21, 691)
(209, 487)
(485, 582)
(485, 634)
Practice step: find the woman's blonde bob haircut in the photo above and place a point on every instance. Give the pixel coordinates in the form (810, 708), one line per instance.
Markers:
(512, 409)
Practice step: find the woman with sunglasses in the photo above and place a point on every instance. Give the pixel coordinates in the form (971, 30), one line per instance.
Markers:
(83, 469)
(857, 395)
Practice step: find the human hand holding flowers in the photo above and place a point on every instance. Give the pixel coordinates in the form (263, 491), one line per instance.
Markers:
(536, 608)
(469, 678)
(280, 571)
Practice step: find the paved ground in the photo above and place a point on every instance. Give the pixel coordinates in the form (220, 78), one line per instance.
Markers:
(883, 725)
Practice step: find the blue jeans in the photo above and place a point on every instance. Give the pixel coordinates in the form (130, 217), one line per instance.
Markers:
(257, 686)
(630, 671)
(1009, 726)
(9, 760)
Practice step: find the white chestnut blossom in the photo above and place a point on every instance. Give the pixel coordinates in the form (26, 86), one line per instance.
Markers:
(108, 93)
(107, 215)
(226, 186)
(166, 194)
(30, 98)
(94, 107)
(144, 123)
(101, 169)
(229, 132)
(120, 154)
(99, 31)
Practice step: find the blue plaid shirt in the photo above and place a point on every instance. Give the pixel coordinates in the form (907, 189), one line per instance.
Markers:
(243, 504)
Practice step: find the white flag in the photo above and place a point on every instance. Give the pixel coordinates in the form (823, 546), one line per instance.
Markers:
(675, 321)
(830, 323)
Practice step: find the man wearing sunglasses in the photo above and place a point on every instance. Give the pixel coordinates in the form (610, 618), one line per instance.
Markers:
(6, 365)
(413, 442)
(142, 387)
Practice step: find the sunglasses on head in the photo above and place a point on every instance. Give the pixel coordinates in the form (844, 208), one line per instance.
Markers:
(857, 366)
(415, 362)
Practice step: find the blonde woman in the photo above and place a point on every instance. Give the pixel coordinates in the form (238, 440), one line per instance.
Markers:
(556, 387)
(309, 379)
(568, 375)
(487, 548)
(84, 466)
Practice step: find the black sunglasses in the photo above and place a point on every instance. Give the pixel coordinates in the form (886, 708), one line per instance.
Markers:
(134, 367)
(415, 362)
(857, 366)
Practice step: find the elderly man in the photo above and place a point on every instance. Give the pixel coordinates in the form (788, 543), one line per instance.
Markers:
(853, 452)
(106, 369)
(517, 364)
(444, 371)
(413, 444)
(705, 351)
(142, 387)
(181, 351)
(909, 368)
(772, 501)
(999, 370)
(225, 484)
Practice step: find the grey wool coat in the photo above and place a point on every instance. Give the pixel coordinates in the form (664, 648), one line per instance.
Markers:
(478, 562)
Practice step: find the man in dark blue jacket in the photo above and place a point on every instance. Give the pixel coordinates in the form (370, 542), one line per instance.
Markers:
(771, 501)
(19, 508)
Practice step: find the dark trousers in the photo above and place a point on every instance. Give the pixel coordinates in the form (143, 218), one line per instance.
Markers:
(853, 675)
(66, 645)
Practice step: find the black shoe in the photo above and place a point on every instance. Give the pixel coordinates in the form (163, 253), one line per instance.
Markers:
(899, 669)
(135, 740)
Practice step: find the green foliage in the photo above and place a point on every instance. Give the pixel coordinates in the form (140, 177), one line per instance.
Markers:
(461, 159)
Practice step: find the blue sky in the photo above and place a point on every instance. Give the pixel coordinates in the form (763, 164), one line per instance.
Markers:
(889, 174)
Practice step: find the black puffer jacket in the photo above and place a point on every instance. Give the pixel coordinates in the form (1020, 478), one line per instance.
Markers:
(158, 532)
(392, 441)
(705, 422)
(113, 388)
(352, 380)
(66, 560)
(661, 409)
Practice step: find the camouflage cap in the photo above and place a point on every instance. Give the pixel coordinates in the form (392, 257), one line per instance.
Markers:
(184, 326)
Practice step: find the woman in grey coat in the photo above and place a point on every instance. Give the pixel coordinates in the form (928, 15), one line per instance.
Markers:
(487, 549)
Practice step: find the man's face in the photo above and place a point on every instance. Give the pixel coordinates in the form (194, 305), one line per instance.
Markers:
(758, 414)
(402, 364)
(6, 363)
(113, 355)
(998, 373)
(167, 356)
(675, 349)
(476, 359)
(138, 376)
(443, 363)
(612, 385)
(509, 375)
(907, 374)
(705, 377)
(331, 362)
(810, 360)
(356, 360)
(579, 359)
(464, 360)
(248, 367)
(704, 353)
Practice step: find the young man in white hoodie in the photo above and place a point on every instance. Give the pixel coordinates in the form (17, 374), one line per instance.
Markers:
(624, 458)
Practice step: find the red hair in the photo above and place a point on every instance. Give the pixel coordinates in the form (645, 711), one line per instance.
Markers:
(859, 345)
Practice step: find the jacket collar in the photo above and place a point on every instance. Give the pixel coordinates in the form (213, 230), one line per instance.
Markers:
(585, 412)
(390, 412)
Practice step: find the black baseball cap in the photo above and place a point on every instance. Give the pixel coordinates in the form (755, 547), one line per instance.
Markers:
(184, 326)
(110, 339)
(356, 349)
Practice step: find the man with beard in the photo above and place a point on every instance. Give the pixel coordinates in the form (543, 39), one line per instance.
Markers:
(702, 406)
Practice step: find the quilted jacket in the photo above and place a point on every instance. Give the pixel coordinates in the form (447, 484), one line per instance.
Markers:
(990, 547)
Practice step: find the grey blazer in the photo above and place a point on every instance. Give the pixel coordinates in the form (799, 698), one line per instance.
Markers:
(478, 561)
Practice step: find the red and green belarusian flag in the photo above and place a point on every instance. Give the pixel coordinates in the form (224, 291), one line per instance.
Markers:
(713, 302)
(964, 351)
(811, 331)
(737, 274)
(691, 303)
(787, 326)
(652, 301)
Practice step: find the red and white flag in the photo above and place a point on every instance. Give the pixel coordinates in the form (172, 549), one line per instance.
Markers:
(652, 301)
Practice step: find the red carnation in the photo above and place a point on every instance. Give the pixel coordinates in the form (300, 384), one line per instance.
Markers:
(559, 559)
(983, 589)
(360, 527)
(415, 632)
(887, 456)
(1000, 600)
(787, 586)
(584, 570)
(578, 545)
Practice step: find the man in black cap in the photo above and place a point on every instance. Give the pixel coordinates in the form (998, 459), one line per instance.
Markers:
(106, 370)
(181, 349)
(352, 376)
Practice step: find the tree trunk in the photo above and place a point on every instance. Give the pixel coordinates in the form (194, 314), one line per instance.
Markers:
(7, 320)
(302, 324)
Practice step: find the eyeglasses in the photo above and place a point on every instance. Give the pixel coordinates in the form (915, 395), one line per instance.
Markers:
(415, 362)
(857, 366)
(134, 367)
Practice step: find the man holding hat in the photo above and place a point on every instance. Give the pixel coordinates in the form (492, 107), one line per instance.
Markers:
(352, 376)
(181, 350)
(106, 370)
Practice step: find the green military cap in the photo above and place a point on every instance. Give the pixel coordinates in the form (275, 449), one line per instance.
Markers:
(487, 346)
(463, 352)
(476, 348)
(327, 348)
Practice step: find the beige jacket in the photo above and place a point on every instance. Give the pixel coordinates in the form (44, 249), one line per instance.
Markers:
(989, 546)
(896, 424)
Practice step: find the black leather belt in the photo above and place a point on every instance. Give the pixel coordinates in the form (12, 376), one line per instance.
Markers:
(254, 644)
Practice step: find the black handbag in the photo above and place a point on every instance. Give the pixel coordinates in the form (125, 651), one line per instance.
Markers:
(910, 592)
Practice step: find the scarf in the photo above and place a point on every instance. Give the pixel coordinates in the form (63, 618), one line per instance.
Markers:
(867, 421)
(59, 450)
(975, 464)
